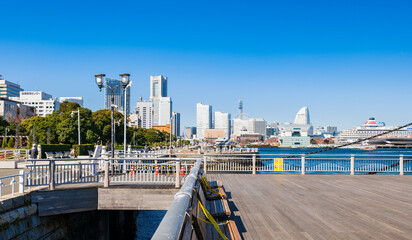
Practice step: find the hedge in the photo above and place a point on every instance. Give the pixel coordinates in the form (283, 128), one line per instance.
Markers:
(83, 149)
(54, 148)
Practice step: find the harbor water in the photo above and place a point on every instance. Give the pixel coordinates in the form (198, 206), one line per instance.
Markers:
(340, 159)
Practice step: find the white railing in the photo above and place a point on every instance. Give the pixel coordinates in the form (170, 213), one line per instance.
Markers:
(10, 185)
(120, 170)
(164, 170)
(320, 163)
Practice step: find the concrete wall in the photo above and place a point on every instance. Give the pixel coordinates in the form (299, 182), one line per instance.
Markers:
(19, 220)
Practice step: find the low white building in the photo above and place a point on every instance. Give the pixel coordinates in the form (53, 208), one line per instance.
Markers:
(249, 126)
(41, 101)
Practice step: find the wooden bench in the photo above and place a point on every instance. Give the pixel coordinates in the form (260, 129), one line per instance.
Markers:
(217, 208)
(209, 193)
(203, 230)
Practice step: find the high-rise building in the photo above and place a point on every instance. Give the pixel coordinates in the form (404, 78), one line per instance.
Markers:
(118, 95)
(158, 86)
(162, 105)
(9, 89)
(222, 121)
(203, 119)
(43, 102)
(144, 110)
(164, 111)
(176, 124)
(78, 100)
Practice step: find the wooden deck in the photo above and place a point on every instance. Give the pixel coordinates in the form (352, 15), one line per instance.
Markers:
(320, 206)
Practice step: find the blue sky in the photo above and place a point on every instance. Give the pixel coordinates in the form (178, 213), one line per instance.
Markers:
(346, 60)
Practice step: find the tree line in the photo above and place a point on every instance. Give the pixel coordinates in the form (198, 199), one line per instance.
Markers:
(61, 127)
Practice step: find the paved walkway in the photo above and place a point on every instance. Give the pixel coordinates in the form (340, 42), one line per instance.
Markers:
(320, 206)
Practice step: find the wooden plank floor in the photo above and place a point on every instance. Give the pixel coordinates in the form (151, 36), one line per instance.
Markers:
(320, 206)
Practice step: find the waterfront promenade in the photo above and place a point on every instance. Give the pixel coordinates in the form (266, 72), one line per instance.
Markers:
(320, 206)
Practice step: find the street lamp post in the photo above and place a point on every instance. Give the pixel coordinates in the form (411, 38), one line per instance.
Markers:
(99, 81)
(78, 122)
(125, 118)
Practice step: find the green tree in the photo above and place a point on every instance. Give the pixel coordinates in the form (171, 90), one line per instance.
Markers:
(153, 135)
(11, 143)
(67, 106)
(91, 137)
(102, 123)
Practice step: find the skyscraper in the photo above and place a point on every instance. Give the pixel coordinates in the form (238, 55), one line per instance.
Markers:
(118, 95)
(203, 119)
(158, 86)
(162, 105)
(164, 111)
(176, 124)
(222, 121)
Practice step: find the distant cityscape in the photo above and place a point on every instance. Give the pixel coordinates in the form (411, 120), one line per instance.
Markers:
(217, 127)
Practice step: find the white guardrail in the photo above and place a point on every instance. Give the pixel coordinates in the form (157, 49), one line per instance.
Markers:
(143, 170)
(161, 169)
(320, 163)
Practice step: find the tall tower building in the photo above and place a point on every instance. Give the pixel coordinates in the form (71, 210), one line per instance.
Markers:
(118, 95)
(164, 110)
(9, 89)
(176, 124)
(162, 105)
(203, 119)
(222, 121)
(158, 86)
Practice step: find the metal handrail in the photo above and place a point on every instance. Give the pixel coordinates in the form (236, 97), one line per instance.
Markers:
(172, 223)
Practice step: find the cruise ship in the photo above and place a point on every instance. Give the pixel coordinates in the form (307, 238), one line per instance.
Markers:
(372, 128)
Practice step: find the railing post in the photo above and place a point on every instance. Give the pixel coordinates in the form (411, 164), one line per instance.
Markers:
(254, 164)
(21, 181)
(352, 164)
(80, 171)
(177, 182)
(106, 174)
(303, 165)
(205, 165)
(51, 172)
(401, 164)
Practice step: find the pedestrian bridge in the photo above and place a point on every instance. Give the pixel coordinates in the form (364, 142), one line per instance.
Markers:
(250, 203)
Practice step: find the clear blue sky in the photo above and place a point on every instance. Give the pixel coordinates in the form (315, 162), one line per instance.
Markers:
(346, 61)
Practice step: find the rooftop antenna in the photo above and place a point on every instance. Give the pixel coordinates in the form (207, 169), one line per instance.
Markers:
(240, 108)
